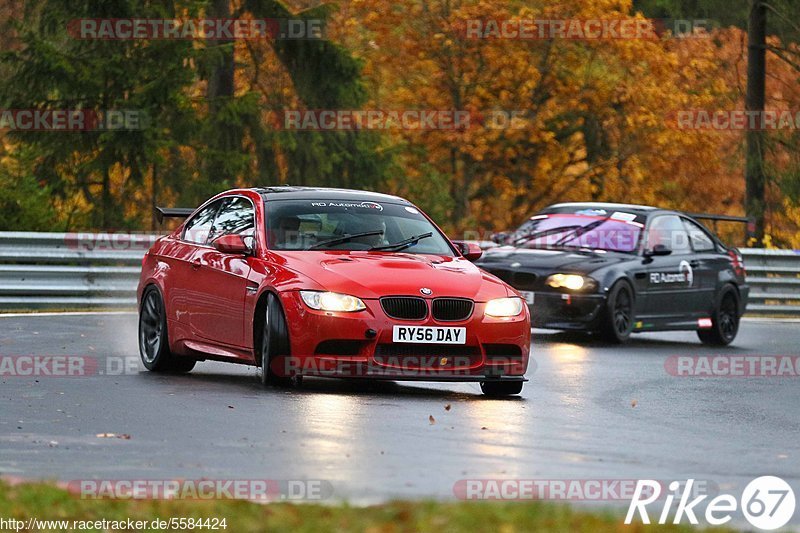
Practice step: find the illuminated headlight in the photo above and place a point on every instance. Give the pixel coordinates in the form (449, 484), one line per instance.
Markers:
(501, 307)
(573, 282)
(332, 301)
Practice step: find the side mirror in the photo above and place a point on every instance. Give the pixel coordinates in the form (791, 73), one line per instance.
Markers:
(499, 238)
(470, 250)
(231, 244)
(658, 249)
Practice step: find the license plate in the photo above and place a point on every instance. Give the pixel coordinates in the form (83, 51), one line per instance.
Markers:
(429, 334)
(528, 295)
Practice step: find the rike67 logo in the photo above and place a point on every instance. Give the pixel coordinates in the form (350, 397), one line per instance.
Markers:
(767, 503)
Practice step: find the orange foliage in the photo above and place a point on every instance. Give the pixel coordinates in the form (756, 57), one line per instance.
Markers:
(596, 115)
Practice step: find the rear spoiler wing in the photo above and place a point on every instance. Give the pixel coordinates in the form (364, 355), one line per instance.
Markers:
(172, 212)
(749, 221)
(724, 218)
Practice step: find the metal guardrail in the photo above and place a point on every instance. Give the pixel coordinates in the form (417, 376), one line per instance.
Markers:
(774, 278)
(70, 270)
(91, 270)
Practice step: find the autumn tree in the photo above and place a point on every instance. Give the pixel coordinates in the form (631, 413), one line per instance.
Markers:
(590, 115)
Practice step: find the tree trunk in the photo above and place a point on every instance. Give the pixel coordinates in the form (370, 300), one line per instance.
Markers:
(754, 101)
(220, 83)
(219, 94)
(154, 199)
(106, 198)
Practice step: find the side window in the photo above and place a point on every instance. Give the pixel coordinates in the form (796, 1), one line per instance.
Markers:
(669, 231)
(236, 217)
(699, 238)
(199, 226)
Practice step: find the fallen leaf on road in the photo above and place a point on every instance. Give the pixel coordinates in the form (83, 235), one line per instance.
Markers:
(634, 403)
(431, 419)
(447, 407)
(123, 436)
(484, 427)
(231, 407)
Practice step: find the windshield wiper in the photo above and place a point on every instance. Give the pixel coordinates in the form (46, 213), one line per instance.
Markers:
(577, 232)
(405, 243)
(542, 233)
(346, 238)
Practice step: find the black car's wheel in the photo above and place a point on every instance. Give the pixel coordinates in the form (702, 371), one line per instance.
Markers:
(501, 388)
(153, 340)
(724, 320)
(275, 344)
(620, 315)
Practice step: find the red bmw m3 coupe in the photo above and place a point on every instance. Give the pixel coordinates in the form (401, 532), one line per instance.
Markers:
(327, 282)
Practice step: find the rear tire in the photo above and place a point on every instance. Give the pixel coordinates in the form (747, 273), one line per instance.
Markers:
(501, 388)
(275, 344)
(153, 339)
(619, 315)
(724, 320)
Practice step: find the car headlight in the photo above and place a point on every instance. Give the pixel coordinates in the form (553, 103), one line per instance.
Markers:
(501, 307)
(573, 282)
(332, 301)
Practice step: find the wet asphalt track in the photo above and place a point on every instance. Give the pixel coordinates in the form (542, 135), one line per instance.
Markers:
(590, 411)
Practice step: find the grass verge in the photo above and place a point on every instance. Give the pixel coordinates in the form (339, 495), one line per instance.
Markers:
(47, 502)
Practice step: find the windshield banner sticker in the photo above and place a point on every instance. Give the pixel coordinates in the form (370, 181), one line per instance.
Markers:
(346, 205)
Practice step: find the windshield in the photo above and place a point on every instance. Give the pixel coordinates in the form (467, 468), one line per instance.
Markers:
(578, 231)
(351, 225)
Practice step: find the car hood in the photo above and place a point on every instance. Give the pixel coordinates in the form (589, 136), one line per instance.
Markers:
(377, 274)
(549, 260)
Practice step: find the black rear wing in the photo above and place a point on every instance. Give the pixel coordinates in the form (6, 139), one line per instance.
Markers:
(749, 221)
(172, 212)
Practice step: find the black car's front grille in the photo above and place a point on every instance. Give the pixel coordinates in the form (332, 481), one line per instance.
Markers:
(405, 307)
(452, 309)
(518, 280)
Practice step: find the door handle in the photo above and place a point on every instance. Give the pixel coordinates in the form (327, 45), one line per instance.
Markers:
(196, 264)
(694, 263)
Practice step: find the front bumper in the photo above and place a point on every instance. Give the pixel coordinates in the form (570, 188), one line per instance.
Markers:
(359, 345)
(553, 310)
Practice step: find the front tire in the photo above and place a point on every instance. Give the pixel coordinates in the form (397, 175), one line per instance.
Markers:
(153, 340)
(275, 346)
(620, 314)
(724, 320)
(501, 388)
